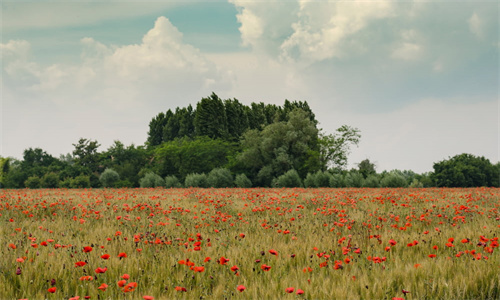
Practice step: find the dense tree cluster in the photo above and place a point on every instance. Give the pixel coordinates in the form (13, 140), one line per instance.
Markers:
(223, 143)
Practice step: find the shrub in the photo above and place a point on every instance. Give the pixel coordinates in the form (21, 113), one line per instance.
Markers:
(50, 180)
(123, 184)
(151, 180)
(33, 182)
(353, 179)
(196, 180)
(393, 180)
(416, 184)
(310, 180)
(109, 178)
(336, 181)
(81, 181)
(242, 181)
(289, 179)
(318, 179)
(220, 178)
(372, 181)
(172, 182)
(66, 183)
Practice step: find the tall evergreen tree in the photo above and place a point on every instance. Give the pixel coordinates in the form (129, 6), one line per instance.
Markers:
(210, 118)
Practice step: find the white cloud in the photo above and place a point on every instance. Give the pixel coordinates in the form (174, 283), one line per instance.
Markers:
(475, 25)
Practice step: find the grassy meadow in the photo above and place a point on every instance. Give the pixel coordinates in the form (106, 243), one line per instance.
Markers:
(250, 243)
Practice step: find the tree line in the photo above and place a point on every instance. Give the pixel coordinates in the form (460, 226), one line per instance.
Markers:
(223, 143)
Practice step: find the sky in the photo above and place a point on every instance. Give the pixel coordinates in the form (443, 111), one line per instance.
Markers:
(419, 79)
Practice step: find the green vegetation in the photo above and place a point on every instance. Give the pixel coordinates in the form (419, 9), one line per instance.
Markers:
(224, 143)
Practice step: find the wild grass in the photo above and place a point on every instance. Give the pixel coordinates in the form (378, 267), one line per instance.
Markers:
(328, 243)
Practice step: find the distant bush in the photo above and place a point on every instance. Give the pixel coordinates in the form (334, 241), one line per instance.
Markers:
(172, 182)
(372, 181)
(353, 179)
(196, 180)
(336, 181)
(393, 180)
(151, 180)
(416, 184)
(109, 178)
(242, 181)
(50, 181)
(81, 181)
(33, 182)
(123, 184)
(220, 178)
(66, 183)
(289, 179)
(318, 179)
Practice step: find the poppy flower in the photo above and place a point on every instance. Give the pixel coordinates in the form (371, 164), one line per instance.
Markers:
(103, 287)
(405, 291)
(52, 289)
(122, 255)
(12, 246)
(148, 297)
(223, 260)
(265, 267)
(101, 270)
(87, 249)
(199, 269)
(300, 292)
(86, 278)
(121, 283)
(392, 242)
(105, 256)
(273, 252)
(242, 235)
(289, 290)
(432, 255)
(207, 259)
(234, 268)
(80, 264)
(180, 289)
(125, 276)
(240, 288)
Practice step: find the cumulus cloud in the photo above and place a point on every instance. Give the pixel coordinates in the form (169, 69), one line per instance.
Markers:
(134, 82)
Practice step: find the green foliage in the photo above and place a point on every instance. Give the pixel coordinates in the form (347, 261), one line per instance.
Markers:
(279, 147)
(394, 179)
(220, 178)
(337, 180)
(50, 180)
(210, 118)
(33, 182)
(4, 170)
(80, 181)
(151, 180)
(172, 182)
(290, 179)
(318, 179)
(196, 180)
(242, 181)
(416, 184)
(353, 179)
(334, 148)
(184, 156)
(109, 178)
(366, 168)
(465, 170)
(372, 181)
(86, 155)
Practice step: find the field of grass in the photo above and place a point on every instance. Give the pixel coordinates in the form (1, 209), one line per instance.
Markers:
(250, 243)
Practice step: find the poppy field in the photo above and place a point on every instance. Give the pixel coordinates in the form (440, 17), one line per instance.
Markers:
(250, 243)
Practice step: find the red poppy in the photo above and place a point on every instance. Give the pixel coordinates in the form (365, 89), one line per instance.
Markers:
(148, 297)
(12, 246)
(122, 283)
(103, 287)
(223, 260)
(80, 264)
(122, 255)
(52, 289)
(180, 289)
(87, 249)
(242, 235)
(199, 269)
(234, 268)
(207, 259)
(101, 270)
(300, 292)
(86, 278)
(273, 252)
(240, 288)
(125, 276)
(265, 267)
(105, 256)
(392, 242)
(289, 290)
(432, 255)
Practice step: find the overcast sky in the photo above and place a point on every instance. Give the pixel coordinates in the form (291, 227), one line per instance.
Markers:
(420, 79)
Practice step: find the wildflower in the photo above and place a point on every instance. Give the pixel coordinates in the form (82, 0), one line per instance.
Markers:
(52, 289)
(289, 290)
(240, 288)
